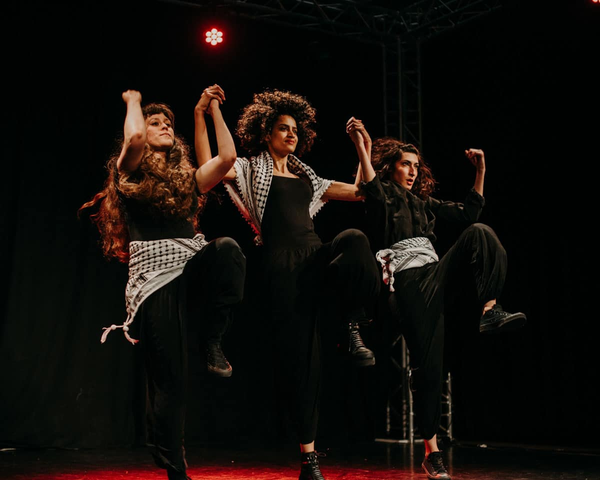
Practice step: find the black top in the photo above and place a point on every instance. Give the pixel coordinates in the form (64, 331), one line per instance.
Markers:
(146, 222)
(393, 213)
(286, 221)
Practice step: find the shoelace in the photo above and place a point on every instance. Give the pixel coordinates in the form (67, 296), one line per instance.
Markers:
(215, 355)
(437, 462)
(310, 466)
(356, 341)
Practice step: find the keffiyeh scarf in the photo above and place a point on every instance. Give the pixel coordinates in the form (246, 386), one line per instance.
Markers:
(409, 253)
(153, 264)
(253, 181)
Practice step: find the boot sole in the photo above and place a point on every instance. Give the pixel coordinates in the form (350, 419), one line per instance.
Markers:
(507, 325)
(369, 362)
(220, 373)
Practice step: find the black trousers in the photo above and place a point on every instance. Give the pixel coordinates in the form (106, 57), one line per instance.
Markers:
(341, 275)
(211, 284)
(418, 304)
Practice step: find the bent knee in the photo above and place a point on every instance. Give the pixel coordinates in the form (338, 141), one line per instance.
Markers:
(482, 229)
(353, 236)
(227, 246)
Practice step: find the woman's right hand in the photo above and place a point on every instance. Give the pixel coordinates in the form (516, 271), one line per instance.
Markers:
(206, 104)
(132, 96)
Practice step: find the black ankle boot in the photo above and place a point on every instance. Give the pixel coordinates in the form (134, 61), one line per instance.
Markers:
(216, 363)
(176, 474)
(360, 355)
(310, 467)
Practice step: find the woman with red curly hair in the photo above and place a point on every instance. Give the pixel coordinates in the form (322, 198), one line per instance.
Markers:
(400, 217)
(278, 195)
(147, 217)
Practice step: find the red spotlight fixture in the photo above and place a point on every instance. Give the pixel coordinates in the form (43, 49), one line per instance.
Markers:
(214, 36)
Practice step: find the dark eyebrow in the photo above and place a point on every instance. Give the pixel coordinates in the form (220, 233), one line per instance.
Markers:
(416, 164)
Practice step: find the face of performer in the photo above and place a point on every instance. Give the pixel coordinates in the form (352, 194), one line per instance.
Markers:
(406, 170)
(159, 132)
(283, 139)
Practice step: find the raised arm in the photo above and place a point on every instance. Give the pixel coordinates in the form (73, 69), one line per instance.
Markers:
(212, 170)
(347, 191)
(362, 141)
(477, 158)
(201, 142)
(134, 133)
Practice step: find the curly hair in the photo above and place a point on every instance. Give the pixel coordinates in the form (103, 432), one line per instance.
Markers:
(258, 119)
(166, 188)
(387, 151)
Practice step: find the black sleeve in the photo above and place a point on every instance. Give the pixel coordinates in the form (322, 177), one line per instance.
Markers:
(467, 212)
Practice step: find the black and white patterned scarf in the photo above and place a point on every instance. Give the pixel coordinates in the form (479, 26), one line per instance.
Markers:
(153, 264)
(409, 253)
(253, 180)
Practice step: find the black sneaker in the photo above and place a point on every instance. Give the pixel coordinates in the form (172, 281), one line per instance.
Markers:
(360, 355)
(216, 363)
(496, 320)
(434, 466)
(310, 467)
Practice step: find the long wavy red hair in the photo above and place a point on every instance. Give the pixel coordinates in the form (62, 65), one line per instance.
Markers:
(167, 187)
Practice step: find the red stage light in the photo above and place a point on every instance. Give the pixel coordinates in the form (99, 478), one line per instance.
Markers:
(214, 36)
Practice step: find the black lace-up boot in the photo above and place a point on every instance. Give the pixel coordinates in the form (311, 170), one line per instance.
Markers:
(360, 355)
(310, 466)
(173, 474)
(216, 363)
(433, 464)
(496, 320)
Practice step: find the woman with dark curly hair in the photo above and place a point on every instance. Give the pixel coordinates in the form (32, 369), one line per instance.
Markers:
(147, 217)
(278, 195)
(401, 216)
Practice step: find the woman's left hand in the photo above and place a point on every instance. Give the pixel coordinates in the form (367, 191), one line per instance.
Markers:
(357, 131)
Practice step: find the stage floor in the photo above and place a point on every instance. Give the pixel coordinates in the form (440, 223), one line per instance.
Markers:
(371, 461)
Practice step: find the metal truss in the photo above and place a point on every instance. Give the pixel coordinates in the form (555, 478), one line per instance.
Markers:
(380, 21)
(399, 26)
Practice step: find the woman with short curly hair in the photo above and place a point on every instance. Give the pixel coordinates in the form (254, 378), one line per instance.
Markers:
(401, 217)
(278, 195)
(146, 216)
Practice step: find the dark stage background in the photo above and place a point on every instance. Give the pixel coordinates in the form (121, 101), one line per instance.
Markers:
(520, 83)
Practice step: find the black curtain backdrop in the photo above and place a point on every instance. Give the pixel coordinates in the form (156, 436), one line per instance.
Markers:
(520, 83)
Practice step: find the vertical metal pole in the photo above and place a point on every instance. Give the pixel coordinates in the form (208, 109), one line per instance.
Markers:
(407, 392)
(388, 417)
(449, 400)
(419, 104)
(400, 67)
(384, 87)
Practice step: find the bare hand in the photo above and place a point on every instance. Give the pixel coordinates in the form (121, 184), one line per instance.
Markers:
(132, 96)
(476, 157)
(206, 103)
(358, 132)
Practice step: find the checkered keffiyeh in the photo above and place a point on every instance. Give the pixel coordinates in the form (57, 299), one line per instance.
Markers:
(253, 180)
(409, 253)
(153, 264)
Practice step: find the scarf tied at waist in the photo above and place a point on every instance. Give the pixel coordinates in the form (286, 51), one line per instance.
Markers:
(409, 253)
(153, 264)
